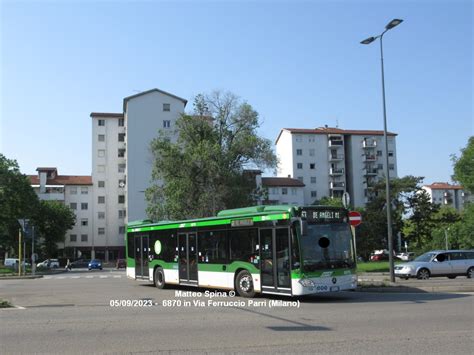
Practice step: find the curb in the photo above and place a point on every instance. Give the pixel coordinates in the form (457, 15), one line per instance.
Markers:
(28, 277)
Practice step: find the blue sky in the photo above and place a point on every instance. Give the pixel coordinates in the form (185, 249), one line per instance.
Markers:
(299, 63)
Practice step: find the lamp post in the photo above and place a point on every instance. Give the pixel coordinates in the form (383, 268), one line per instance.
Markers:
(388, 204)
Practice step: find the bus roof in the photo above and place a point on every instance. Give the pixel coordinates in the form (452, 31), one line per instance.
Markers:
(225, 216)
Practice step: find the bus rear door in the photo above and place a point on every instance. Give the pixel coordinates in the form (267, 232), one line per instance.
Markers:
(187, 253)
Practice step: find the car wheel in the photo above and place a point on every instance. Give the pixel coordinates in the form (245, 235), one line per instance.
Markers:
(423, 274)
(160, 278)
(451, 276)
(244, 284)
(470, 273)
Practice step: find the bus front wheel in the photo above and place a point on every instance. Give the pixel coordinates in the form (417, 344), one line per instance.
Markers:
(159, 278)
(244, 284)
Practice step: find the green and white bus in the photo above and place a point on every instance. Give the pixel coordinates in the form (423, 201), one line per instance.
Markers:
(286, 250)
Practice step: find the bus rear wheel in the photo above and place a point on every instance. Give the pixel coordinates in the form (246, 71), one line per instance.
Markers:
(244, 284)
(159, 278)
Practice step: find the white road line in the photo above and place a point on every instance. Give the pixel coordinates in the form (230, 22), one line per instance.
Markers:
(75, 277)
(117, 276)
(89, 277)
(61, 277)
(103, 277)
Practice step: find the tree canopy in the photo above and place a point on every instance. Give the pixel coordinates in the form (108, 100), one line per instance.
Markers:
(209, 167)
(464, 166)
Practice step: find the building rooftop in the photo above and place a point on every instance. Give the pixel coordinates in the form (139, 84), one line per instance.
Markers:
(106, 115)
(443, 186)
(281, 181)
(333, 130)
(63, 180)
(128, 98)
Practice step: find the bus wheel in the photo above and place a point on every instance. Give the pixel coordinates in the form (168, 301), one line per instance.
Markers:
(159, 277)
(244, 284)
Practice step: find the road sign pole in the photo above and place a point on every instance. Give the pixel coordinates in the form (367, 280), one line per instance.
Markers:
(355, 241)
(19, 252)
(33, 259)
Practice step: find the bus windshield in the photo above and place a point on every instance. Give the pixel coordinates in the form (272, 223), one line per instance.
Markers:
(327, 246)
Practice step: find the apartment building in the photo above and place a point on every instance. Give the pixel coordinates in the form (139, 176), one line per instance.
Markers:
(449, 195)
(283, 191)
(330, 161)
(122, 162)
(77, 193)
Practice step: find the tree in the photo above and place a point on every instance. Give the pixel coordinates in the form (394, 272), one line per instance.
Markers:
(464, 166)
(204, 171)
(329, 201)
(52, 222)
(17, 201)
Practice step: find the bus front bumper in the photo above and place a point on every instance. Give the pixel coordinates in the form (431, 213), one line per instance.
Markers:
(307, 286)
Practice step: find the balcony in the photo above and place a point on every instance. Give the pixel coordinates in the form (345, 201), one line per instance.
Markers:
(336, 171)
(337, 185)
(370, 171)
(369, 157)
(336, 157)
(366, 143)
(335, 143)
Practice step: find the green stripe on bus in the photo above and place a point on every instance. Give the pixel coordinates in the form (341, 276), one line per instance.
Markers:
(208, 223)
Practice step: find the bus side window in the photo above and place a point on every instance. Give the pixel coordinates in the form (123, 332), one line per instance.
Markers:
(295, 248)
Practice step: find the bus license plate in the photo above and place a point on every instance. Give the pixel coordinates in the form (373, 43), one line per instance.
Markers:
(334, 288)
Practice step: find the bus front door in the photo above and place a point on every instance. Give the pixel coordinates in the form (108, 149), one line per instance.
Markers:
(141, 257)
(187, 253)
(275, 260)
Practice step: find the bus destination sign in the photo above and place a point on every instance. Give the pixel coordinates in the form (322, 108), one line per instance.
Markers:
(324, 215)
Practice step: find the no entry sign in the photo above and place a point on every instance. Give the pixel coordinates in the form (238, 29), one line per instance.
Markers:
(355, 218)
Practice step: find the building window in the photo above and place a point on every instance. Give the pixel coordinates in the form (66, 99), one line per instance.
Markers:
(313, 179)
(390, 153)
(300, 178)
(299, 165)
(101, 199)
(166, 107)
(379, 153)
(73, 206)
(84, 222)
(73, 238)
(101, 231)
(122, 213)
(293, 191)
(122, 230)
(312, 166)
(311, 152)
(298, 138)
(121, 199)
(380, 166)
(275, 191)
(121, 137)
(73, 190)
(121, 183)
(166, 123)
(83, 237)
(391, 166)
(299, 151)
(84, 206)
(121, 153)
(284, 191)
(101, 137)
(101, 183)
(121, 122)
(101, 215)
(311, 139)
(121, 168)
(101, 122)
(101, 153)
(84, 190)
(313, 194)
(101, 168)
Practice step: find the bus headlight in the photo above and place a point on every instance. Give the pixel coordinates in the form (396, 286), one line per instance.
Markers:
(306, 283)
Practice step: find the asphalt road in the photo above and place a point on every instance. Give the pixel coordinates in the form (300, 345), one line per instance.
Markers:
(71, 313)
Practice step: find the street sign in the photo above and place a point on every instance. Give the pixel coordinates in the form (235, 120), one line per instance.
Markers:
(355, 218)
(346, 199)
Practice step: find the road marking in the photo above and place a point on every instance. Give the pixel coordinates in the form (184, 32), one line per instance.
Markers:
(117, 276)
(89, 277)
(61, 277)
(103, 277)
(75, 277)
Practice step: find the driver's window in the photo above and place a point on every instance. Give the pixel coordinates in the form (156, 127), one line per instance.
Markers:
(440, 258)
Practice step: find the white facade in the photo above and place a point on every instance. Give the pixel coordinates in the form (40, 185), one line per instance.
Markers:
(330, 161)
(146, 115)
(75, 192)
(448, 195)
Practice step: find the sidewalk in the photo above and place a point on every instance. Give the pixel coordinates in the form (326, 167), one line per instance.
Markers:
(380, 282)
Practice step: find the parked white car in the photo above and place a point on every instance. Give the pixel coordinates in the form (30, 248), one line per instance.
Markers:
(405, 256)
(49, 263)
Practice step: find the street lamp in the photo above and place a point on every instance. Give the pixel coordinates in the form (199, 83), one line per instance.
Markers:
(388, 204)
